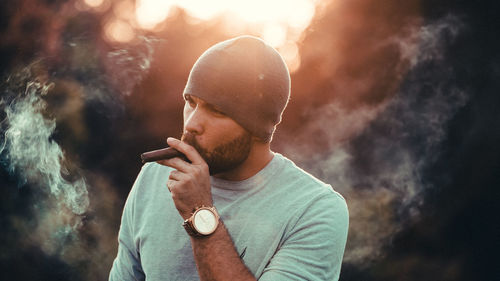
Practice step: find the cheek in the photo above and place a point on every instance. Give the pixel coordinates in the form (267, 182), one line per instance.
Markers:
(217, 133)
(185, 113)
(228, 131)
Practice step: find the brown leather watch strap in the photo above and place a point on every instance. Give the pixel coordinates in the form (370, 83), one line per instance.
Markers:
(188, 226)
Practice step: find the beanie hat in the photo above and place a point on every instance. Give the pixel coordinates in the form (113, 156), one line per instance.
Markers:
(246, 79)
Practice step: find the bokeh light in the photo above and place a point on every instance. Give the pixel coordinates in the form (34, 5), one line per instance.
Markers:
(280, 23)
(119, 30)
(150, 13)
(297, 14)
(94, 3)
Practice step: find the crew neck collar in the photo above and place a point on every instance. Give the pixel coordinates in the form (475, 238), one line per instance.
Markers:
(255, 180)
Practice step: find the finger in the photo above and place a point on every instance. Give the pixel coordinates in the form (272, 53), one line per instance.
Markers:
(176, 163)
(186, 149)
(170, 184)
(176, 176)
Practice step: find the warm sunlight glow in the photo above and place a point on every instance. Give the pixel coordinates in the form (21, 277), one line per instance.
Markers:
(278, 22)
(269, 15)
(125, 10)
(94, 3)
(290, 53)
(296, 13)
(118, 30)
(151, 12)
(274, 34)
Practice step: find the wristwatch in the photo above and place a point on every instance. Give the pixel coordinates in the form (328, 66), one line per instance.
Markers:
(203, 222)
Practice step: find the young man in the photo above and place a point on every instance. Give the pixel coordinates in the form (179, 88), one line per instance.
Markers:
(236, 210)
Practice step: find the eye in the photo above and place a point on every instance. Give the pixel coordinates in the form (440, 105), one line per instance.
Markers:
(190, 101)
(218, 112)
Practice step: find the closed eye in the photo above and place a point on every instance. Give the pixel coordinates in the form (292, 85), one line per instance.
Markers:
(190, 100)
(214, 110)
(193, 103)
(218, 112)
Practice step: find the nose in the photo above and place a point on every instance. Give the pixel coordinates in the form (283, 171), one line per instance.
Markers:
(194, 120)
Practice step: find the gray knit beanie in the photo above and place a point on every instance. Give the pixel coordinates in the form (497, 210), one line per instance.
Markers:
(247, 79)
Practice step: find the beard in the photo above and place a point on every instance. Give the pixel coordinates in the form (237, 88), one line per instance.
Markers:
(225, 156)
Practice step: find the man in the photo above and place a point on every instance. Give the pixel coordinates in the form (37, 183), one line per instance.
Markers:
(235, 210)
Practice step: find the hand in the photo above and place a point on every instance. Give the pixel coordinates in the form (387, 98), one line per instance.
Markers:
(190, 182)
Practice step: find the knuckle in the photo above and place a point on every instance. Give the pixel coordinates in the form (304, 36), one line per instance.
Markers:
(194, 171)
(191, 179)
(205, 166)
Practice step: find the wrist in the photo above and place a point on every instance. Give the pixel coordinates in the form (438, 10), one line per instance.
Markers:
(203, 222)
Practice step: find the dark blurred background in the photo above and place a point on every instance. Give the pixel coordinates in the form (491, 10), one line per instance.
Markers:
(393, 103)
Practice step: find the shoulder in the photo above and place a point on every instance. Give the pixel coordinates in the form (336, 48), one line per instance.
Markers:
(149, 182)
(308, 193)
(152, 172)
(305, 181)
(153, 169)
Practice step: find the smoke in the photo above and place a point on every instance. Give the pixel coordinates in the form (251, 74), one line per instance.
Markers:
(377, 154)
(107, 76)
(129, 65)
(72, 214)
(29, 152)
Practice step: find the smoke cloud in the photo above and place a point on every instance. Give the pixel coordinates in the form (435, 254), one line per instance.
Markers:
(29, 152)
(127, 66)
(73, 210)
(378, 153)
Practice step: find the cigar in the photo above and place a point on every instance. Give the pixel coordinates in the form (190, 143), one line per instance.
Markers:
(162, 154)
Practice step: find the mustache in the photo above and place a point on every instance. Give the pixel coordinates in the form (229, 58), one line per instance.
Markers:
(190, 139)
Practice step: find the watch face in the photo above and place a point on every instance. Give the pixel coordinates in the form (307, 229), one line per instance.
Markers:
(205, 221)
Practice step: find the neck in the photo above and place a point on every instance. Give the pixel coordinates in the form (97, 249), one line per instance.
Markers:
(260, 155)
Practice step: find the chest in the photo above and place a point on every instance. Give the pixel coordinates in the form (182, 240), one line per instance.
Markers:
(165, 248)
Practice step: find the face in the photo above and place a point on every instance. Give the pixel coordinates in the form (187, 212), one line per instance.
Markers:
(222, 142)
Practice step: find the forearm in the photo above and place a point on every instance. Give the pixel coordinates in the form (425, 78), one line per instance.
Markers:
(217, 259)
(215, 255)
